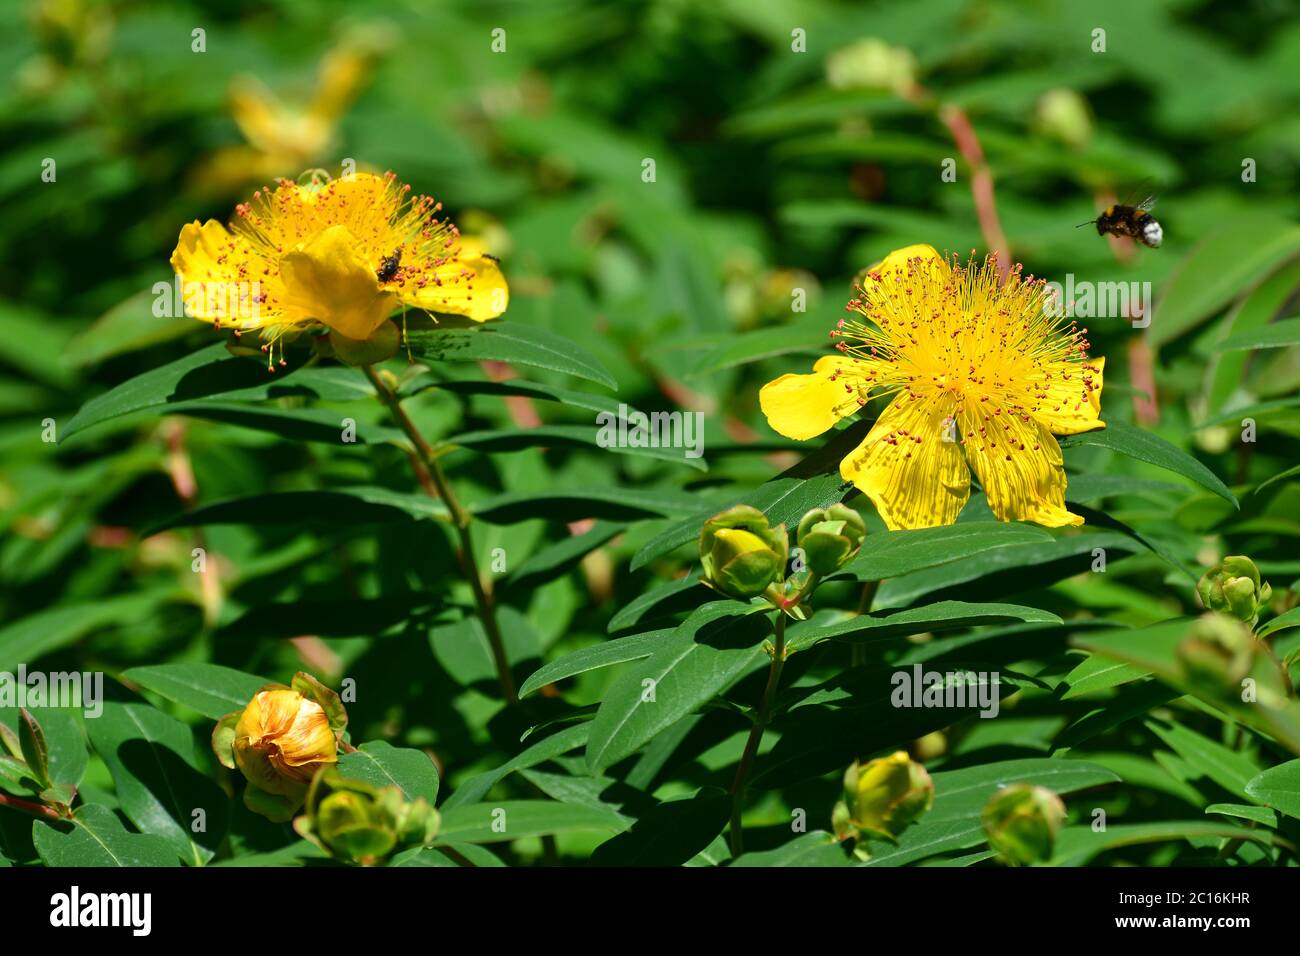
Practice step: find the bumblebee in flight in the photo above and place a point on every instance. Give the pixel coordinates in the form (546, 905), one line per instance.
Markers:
(1136, 222)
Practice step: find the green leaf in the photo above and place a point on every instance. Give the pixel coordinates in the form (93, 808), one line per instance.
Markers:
(560, 742)
(710, 651)
(1244, 812)
(1228, 260)
(1096, 673)
(670, 834)
(562, 556)
(614, 504)
(681, 595)
(549, 436)
(296, 424)
(1284, 620)
(880, 625)
(510, 342)
(516, 819)
(1075, 846)
(1278, 787)
(211, 373)
(1145, 446)
(209, 689)
(518, 387)
(340, 507)
(433, 856)
(815, 848)
(606, 654)
(28, 638)
(64, 741)
(96, 838)
(1272, 336)
(1224, 766)
(893, 553)
(380, 764)
(160, 781)
(805, 338)
(36, 752)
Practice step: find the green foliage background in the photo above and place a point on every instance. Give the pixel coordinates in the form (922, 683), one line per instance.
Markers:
(326, 557)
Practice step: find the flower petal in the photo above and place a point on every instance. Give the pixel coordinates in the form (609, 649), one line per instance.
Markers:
(910, 464)
(1067, 398)
(210, 260)
(804, 406)
(325, 279)
(470, 284)
(896, 262)
(1019, 464)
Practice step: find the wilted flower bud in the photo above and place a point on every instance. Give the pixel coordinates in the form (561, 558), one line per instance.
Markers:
(1218, 652)
(1021, 822)
(740, 554)
(1233, 587)
(279, 741)
(883, 797)
(871, 64)
(353, 821)
(831, 537)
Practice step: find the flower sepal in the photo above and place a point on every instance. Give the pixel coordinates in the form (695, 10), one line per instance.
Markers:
(830, 537)
(358, 823)
(740, 553)
(382, 344)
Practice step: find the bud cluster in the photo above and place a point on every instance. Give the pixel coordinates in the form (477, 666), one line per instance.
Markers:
(744, 556)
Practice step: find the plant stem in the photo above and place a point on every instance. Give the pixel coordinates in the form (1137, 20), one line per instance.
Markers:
(460, 518)
(27, 806)
(756, 735)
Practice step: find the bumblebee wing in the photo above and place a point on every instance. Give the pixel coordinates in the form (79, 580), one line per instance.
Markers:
(1146, 204)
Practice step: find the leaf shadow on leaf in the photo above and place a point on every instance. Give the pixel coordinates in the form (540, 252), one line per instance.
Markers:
(670, 834)
(179, 789)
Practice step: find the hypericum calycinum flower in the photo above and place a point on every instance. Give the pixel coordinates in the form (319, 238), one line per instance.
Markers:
(279, 742)
(830, 537)
(981, 376)
(883, 797)
(741, 555)
(341, 254)
(1233, 587)
(358, 823)
(1021, 822)
(1218, 653)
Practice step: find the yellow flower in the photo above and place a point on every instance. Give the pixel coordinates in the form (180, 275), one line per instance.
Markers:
(281, 740)
(982, 375)
(342, 254)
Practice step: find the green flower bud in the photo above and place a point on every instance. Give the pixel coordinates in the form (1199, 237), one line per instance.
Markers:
(358, 823)
(1021, 822)
(1064, 115)
(831, 537)
(1218, 652)
(1233, 587)
(883, 797)
(871, 63)
(741, 555)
